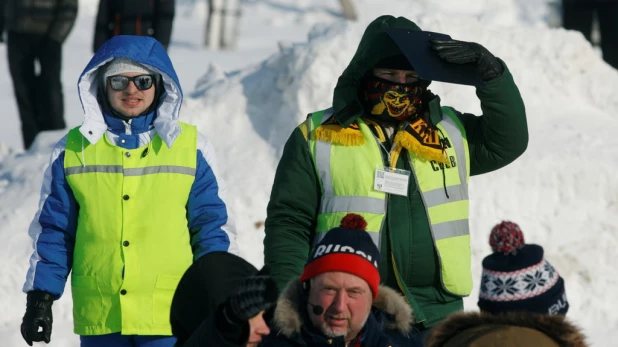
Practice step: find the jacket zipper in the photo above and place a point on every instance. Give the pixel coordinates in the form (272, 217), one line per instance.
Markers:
(397, 276)
(400, 283)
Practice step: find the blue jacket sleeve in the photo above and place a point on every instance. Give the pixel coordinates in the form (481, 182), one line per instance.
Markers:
(53, 230)
(210, 221)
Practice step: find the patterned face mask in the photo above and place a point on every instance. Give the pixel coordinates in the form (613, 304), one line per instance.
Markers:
(388, 100)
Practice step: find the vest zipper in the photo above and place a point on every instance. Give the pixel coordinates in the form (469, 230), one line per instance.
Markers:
(433, 238)
(398, 278)
(382, 229)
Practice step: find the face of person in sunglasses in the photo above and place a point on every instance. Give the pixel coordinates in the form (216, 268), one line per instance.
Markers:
(131, 101)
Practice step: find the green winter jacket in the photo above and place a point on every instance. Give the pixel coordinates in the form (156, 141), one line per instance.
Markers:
(495, 139)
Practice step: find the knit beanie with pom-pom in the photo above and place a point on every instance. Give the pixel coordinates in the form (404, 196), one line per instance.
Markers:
(516, 277)
(347, 248)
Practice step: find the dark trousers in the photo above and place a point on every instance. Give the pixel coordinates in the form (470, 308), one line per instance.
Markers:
(118, 340)
(578, 15)
(39, 97)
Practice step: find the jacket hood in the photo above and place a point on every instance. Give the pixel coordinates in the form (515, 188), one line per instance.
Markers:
(288, 317)
(375, 45)
(148, 52)
(555, 327)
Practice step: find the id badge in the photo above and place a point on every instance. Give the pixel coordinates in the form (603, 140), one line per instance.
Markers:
(392, 181)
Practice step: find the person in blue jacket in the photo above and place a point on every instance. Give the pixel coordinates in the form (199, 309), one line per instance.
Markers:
(130, 199)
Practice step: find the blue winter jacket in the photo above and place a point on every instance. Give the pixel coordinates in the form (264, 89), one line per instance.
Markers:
(53, 228)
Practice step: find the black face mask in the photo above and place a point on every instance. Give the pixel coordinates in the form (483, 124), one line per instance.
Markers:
(391, 101)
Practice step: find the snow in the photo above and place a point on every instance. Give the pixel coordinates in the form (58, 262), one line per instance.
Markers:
(562, 191)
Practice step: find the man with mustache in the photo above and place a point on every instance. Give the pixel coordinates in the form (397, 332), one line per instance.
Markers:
(390, 152)
(131, 198)
(338, 300)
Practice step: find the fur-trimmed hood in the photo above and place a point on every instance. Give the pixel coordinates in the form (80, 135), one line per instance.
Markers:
(454, 330)
(288, 318)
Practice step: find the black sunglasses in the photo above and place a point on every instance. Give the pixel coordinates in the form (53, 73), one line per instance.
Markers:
(142, 82)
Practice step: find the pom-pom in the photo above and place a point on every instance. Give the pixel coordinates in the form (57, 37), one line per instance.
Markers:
(506, 238)
(353, 222)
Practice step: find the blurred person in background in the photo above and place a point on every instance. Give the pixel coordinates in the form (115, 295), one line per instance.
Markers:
(385, 122)
(222, 24)
(36, 31)
(522, 300)
(134, 17)
(579, 14)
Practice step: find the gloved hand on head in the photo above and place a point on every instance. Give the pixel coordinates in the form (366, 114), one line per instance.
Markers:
(461, 52)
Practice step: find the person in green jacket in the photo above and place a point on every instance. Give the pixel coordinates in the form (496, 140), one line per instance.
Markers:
(388, 151)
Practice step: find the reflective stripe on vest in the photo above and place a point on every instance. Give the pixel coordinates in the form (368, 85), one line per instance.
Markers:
(130, 172)
(336, 204)
(132, 243)
(343, 193)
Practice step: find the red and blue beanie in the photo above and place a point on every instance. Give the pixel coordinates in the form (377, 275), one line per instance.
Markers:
(348, 248)
(516, 277)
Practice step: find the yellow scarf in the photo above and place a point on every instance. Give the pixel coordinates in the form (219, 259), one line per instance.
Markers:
(418, 138)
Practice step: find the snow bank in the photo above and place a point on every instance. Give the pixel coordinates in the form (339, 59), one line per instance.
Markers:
(4, 151)
(561, 191)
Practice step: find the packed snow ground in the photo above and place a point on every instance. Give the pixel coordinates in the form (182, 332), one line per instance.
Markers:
(562, 191)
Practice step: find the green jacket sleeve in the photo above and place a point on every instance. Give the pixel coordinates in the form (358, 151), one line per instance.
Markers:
(292, 211)
(500, 135)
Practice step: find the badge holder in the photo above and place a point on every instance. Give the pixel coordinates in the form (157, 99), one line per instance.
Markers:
(392, 181)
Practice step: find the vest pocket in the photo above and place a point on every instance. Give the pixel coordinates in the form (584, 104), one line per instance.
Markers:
(87, 300)
(162, 298)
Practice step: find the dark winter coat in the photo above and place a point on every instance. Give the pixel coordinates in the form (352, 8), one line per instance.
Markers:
(495, 139)
(135, 17)
(515, 329)
(52, 18)
(196, 308)
(389, 322)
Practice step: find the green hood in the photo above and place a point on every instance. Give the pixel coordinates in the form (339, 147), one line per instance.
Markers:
(374, 46)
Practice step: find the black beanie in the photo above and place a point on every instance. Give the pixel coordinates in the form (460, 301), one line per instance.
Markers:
(205, 285)
(397, 62)
(516, 277)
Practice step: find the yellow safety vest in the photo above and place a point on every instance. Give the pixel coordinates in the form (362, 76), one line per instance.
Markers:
(132, 243)
(346, 175)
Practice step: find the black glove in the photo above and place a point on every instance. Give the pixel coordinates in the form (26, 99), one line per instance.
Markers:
(256, 293)
(461, 52)
(38, 314)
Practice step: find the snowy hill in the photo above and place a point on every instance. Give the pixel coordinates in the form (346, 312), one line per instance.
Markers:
(562, 191)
